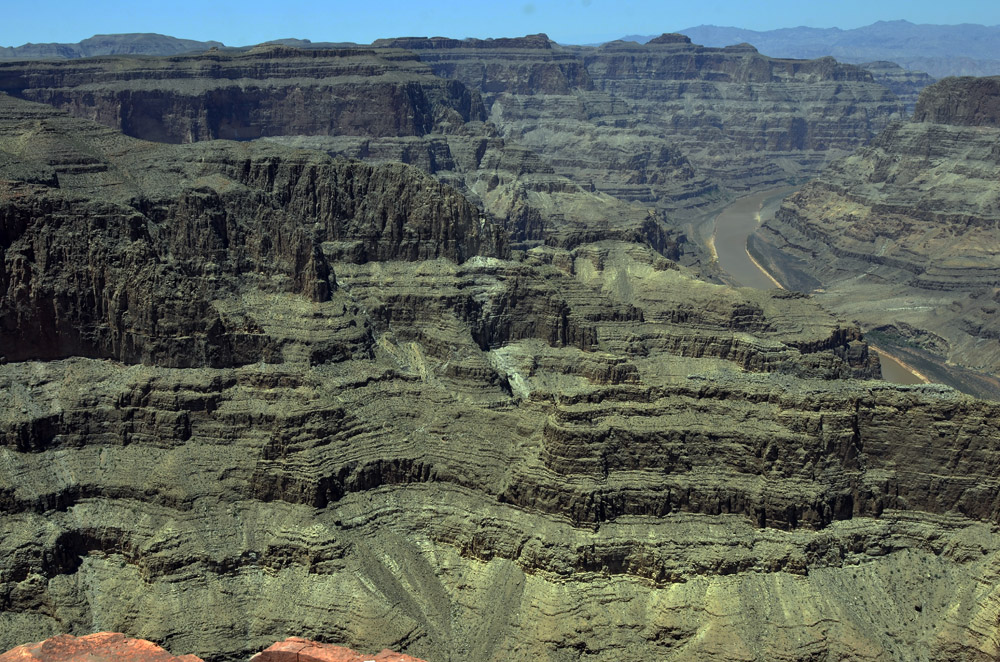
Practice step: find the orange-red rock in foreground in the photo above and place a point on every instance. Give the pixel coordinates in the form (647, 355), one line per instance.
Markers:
(295, 649)
(116, 647)
(99, 647)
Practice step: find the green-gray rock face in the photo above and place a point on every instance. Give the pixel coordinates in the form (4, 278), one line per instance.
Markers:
(902, 234)
(253, 391)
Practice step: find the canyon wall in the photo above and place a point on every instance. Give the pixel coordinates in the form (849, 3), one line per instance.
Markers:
(558, 145)
(253, 391)
(902, 234)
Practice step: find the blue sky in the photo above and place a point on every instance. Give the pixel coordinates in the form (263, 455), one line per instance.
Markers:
(566, 21)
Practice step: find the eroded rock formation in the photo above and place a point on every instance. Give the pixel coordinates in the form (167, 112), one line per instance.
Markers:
(268, 391)
(902, 235)
(241, 96)
(558, 145)
(904, 83)
(660, 122)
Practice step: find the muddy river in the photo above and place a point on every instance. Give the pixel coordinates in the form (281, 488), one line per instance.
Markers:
(729, 243)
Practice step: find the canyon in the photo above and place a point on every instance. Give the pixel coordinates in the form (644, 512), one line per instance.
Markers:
(901, 235)
(417, 346)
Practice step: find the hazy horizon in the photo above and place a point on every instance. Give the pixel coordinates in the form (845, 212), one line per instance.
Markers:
(565, 21)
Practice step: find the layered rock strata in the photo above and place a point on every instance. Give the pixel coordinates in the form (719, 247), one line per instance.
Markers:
(382, 106)
(269, 90)
(581, 144)
(384, 428)
(133, 258)
(904, 83)
(665, 115)
(902, 235)
(742, 117)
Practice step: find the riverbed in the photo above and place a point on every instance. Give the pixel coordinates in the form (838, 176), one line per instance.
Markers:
(731, 228)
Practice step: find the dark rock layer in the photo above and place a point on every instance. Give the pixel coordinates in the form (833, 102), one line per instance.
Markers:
(270, 90)
(716, 105)
(135, 271)
(963, 101)
(671, 126)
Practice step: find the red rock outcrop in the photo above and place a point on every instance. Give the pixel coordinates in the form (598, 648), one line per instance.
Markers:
(108, 646)
(296, 649)
(95, 648)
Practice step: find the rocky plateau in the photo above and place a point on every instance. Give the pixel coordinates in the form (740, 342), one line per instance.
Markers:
(108, 44)
(476, 406)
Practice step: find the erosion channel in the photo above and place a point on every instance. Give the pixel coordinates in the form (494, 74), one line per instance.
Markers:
(730, 230)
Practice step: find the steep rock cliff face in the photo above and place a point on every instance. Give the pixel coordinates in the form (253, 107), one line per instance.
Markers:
(133, 258)
(965, 101)
(513, 187)
(902, 235)
(904, 83)
(541, 95)
(454, 450)
(270, 90)
(660, 122)
(379, 105)
(637, 139)
(742, 117)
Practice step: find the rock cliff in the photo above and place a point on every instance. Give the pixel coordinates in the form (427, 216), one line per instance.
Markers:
(667, 118)
(132, 258)
(537, 135)
(742, 117)
(902, 234)
(269, 90)
(904, 83)
(380, 105)
(273, 392)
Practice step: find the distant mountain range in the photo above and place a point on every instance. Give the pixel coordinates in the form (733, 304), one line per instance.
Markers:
(109, 44)
(940, 50)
